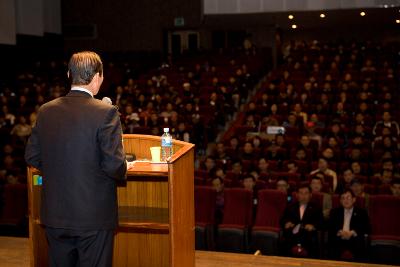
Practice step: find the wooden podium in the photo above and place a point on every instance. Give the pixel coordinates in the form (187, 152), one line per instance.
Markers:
(155, 205)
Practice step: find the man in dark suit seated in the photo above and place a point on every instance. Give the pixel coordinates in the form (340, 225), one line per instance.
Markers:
(300, 223)
(348, 226)
(77, 146)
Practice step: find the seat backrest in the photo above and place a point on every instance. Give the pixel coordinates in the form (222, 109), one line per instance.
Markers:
(238, 206)
(205, 202)
(384, 211)
(15, 203)
(271, 204)
(317, 199)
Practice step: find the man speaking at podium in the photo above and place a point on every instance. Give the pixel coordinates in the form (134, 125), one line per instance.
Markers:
(77, 146)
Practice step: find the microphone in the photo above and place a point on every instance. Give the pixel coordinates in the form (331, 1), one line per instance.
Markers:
(107, 100)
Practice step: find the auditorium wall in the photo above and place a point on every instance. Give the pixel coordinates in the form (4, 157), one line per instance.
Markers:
(128, 25)
(141, 25)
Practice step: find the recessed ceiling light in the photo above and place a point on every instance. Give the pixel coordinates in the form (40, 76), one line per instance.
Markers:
(294, 26)
(291, 16)
(397, 21)
(362, 14)
(322, 15)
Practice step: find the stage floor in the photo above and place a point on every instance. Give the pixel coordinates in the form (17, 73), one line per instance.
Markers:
(14, 252)
(219, 259)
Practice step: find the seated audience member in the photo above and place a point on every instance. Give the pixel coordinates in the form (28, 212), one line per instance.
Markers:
(387, 172)
(395, 187)
(218, 185)
(300, 222)
(324, 168)
(357, 169)
(292, 167)
(344, 184)
(209, 164)
(386, 122)
(263, 169)
(329, 154)
(274, 152)
(220, 154)
(348, 226)
(248, 152)
(301, 154)
(316, 187)
(283, 186)
(357, 187)
(249, 183)
(385, 177)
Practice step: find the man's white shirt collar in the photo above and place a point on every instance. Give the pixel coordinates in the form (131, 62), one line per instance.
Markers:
(76, 88)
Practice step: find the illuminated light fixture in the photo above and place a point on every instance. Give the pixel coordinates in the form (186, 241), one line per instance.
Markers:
(322, 15)
(294, 26)
(362, 14)
(291, 17)
(398, 21)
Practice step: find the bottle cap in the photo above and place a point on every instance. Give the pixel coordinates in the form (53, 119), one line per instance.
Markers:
(166, 130)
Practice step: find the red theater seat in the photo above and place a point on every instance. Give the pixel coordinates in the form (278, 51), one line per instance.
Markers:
(238, 209)
(205, 204)
(265, 234)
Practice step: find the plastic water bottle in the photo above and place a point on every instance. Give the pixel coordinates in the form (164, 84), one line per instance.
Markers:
(166, 145)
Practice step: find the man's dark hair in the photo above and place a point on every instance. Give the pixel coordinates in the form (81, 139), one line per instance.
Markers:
(83, 66)
(356, 181)
(316, 177)
(249, 175)
(347, 190)
(304, 185)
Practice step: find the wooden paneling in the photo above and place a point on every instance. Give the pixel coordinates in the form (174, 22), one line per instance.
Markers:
(156, 210)
(141, 250)
(144, 194)
(182, 209)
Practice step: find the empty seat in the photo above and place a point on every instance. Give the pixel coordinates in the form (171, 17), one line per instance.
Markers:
(265, 234)
(205, 205)
(384, 211)
(232, 234)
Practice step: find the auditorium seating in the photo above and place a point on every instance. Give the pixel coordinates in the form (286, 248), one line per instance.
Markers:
(385, 234)
(205, 206)
(265, 233)
(232, 233)
(339, 77)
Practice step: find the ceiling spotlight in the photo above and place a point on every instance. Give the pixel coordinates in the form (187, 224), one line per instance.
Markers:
(322, 15)
(291, 17)
(294, 26)
(362, 14)
(397, 21)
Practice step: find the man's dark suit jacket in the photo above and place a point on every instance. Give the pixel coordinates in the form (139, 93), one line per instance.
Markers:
(77, 146)
(312, 215)
(359, 221)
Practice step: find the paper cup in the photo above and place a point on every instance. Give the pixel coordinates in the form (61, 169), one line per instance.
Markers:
(155, 153)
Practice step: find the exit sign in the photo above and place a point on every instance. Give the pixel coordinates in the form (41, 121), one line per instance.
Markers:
(180, 21)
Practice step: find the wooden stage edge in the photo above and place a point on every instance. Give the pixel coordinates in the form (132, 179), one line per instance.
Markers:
(14, 253)
(220, 259)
